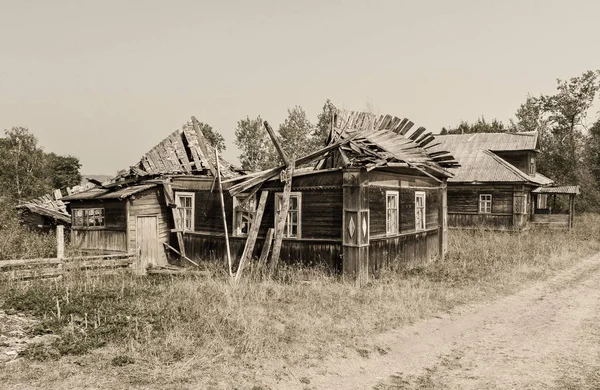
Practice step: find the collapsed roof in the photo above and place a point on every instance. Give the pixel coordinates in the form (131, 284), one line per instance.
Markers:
(53, 205)
(479, 162)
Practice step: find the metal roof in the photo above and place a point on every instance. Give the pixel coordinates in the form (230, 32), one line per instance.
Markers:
(103, 193)
(479, 163)
(558, 190)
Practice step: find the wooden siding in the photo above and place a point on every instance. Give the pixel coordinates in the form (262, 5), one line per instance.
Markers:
(101, 241)
(480, 221)
(204, 247)
(463, 207)
(377, 205)
(398, 251)
(550, 221)
(151, 203)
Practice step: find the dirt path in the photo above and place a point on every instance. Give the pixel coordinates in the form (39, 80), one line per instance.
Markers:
(536, 339)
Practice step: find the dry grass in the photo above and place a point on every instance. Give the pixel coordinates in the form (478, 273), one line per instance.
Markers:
(177, 331)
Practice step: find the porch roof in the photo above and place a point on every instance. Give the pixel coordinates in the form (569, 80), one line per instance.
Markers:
(571, 190)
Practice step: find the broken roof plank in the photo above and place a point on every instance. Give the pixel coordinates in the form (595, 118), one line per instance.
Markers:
(202, 149)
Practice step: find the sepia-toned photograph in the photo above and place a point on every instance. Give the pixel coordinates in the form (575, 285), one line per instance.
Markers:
(303, 195)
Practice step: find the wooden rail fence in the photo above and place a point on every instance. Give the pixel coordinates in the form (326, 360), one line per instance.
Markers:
(51, 268)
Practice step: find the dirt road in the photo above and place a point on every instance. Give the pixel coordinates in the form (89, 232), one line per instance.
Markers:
(546, 336)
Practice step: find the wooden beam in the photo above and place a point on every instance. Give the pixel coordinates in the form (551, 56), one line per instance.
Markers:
(223, 212)
(282, 217)
(278, 147)
(264, 254)
(202, 149)
(249, 248)
(169, 198)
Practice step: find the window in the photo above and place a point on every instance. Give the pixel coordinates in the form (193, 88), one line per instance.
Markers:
(391, 212)
(420, 210)
(185, 205)
(485, 203)
(88, 217)
(243, 214)
(531, 166)
(292, 226)
(542, 201)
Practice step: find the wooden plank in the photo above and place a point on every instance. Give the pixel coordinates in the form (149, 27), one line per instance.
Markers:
(282, 217)
(28, 262)
(86, 264)
(192, 142)
(278, 147)
(180, 151)
(249, 248)
(264, 254)
(168, 193)
(203, 150)
(223, 212)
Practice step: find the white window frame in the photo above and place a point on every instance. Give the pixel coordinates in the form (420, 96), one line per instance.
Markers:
(423, 221)
(485, 200)
(178, 196)
(81, 217)
(278, 199)
(389, 230)
(238, 214)
(540, 202)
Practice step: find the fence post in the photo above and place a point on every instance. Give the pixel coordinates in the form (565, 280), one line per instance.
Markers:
(60, 241)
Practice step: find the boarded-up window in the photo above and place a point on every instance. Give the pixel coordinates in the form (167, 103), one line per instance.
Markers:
(292, 227)
(391, 212)
(485, 203)
(185, 205)
(542, 201)
(243, 212)
(420, 210)
(88, 217)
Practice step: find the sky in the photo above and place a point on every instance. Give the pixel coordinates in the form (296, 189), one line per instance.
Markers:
(107, 80)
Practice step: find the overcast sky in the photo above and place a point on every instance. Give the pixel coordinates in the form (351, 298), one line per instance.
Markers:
(107, 80)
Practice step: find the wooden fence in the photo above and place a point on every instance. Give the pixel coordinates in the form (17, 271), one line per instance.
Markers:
(51, 268)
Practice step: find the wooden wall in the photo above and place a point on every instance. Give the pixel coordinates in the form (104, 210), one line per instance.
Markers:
(151, 203)
(520, 159)
(392, 253)
(110, 238)
(205, 247)
(463, 206)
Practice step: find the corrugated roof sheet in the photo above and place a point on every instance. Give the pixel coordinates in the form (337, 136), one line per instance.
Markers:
(479, 163)
(103, 193)
(558, 190)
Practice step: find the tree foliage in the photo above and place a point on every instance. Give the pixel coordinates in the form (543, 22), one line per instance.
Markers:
(324, 123)
(214, 137)
(296, 133)
(254, 143)
(480, 126)
(26, 171)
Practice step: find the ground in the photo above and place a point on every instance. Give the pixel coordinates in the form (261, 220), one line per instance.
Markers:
(546, 336)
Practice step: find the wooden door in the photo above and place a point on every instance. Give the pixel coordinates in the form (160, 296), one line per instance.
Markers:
(147, 241)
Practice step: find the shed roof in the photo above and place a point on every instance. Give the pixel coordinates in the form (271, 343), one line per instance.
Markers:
(558, 190)
(105, 193)
(479, 163)
(53, 205)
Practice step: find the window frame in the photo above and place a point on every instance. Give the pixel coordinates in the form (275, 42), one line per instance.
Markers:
(85, 217)
(192, 195)
(538, 201)
(421, 194)
(484, 202)
(236, 226)
(395, 194)
(279, 198)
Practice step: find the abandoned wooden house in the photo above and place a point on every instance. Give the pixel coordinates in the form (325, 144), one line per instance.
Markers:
(374, 196)
(497, 184)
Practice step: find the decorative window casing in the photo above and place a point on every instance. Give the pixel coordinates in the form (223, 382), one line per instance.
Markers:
(420, 211)
(392, 212)
(92, 217)
(485, 203)
(186, 207)
(293, 225)
(243, 214)
(542, 201)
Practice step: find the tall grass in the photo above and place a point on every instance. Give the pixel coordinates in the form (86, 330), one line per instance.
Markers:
(18, 242)
(205, 324)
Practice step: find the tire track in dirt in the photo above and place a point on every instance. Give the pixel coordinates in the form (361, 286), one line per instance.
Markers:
(525, 340)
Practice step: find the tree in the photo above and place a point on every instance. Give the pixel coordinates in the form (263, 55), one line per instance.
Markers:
(213, 136)
(296, 133)
(256, 146)
(63, 170)
(481, 126)
(22, 165)
(324, 123)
